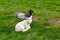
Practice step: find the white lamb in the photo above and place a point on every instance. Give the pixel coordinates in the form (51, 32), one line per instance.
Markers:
(23, 25)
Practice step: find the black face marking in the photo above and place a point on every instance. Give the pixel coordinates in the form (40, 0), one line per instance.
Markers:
(30, 13)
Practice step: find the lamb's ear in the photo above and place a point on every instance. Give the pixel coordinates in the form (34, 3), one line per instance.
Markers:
(31, 12)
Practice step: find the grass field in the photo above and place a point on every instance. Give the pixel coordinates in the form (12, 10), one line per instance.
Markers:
(44, 9)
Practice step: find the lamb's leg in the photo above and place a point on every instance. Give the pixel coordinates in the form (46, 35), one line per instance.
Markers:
(27, 28)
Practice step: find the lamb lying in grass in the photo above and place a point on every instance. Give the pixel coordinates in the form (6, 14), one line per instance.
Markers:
(25, 16)
(23, 25)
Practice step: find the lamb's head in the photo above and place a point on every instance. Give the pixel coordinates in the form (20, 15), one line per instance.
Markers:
(31, 12)
(29, 20)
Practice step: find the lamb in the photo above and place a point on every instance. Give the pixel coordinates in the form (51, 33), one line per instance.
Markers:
(23, 25)
(25, 16)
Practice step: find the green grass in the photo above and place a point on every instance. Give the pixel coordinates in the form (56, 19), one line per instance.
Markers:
(44, 9)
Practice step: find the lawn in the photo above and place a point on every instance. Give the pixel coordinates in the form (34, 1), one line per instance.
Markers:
(40, 30)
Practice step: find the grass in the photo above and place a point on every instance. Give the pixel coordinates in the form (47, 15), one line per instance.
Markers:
(44, 9)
